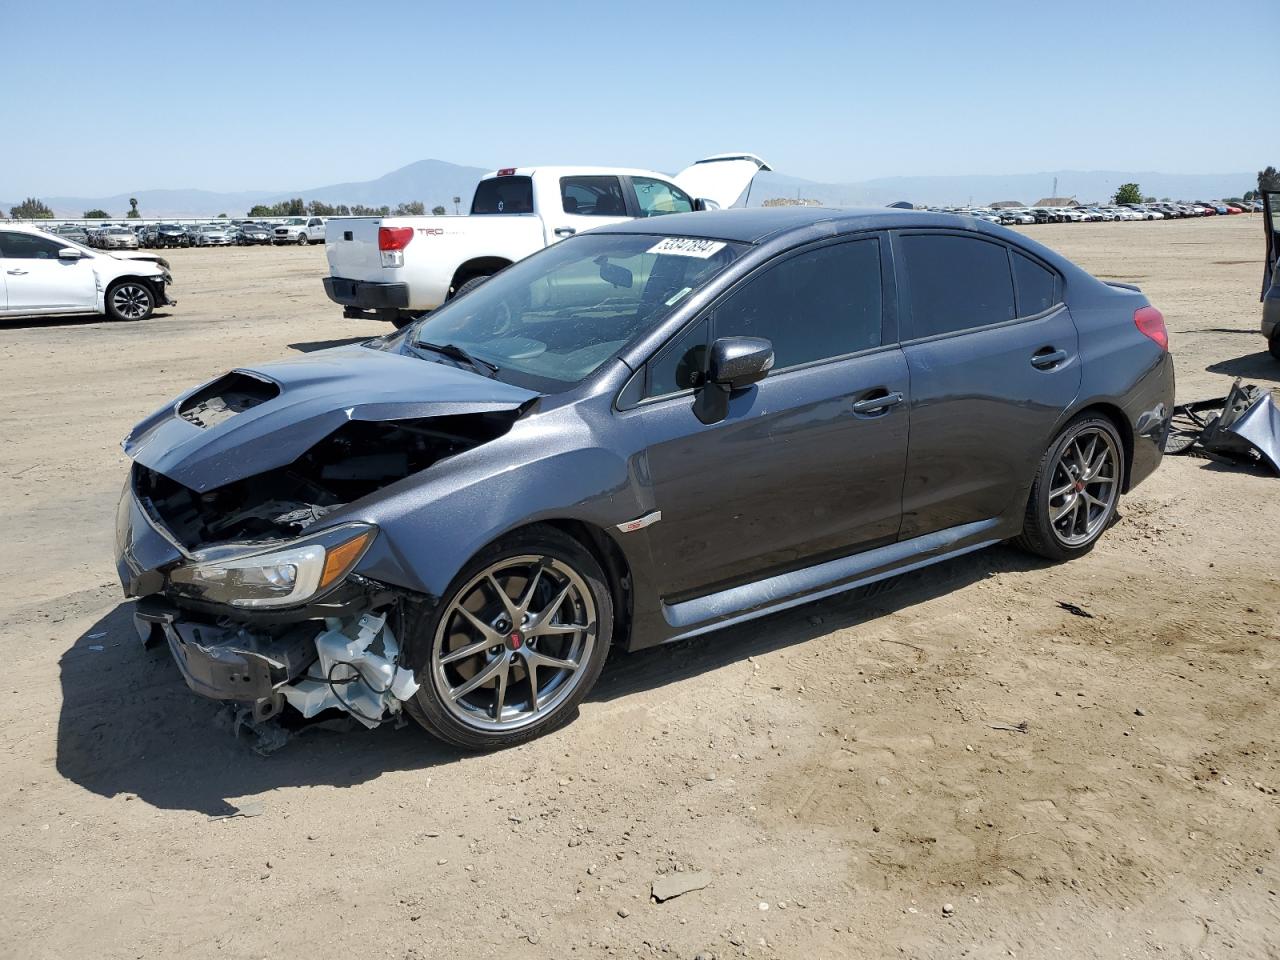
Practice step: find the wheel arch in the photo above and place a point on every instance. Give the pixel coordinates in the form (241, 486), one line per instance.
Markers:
(1116, 415)
(476, 267)
(614, 563)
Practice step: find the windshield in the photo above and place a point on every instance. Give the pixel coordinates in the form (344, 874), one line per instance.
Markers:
(294, 222)
(554, 318)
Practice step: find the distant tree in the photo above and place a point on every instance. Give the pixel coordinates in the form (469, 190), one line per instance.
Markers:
(259, 210)
(97, 215)
(1251, 194)
(1164, 200)
(1148, 199)
(222, 216)
(438, 211)
(31, 209)
(318, 208)
(133, 213)
(414, 209)
(1128, 193)
(1268, 179)
(360, 210)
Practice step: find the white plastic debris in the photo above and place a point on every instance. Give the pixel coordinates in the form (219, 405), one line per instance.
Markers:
(356, 672)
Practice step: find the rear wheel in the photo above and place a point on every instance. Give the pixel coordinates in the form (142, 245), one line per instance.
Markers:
(130, 300)
(516, 642)
(470, 285)
(1273, 343)
(1076, 490)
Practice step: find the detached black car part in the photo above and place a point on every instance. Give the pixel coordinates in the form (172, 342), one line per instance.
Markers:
(1242, 427)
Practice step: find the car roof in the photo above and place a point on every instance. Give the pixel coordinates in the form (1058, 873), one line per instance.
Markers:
(757, 224)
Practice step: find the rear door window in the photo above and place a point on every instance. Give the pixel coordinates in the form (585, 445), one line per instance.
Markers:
(503, 195)
(592, 196)
(656, 197)
(956, 283)
(1038, 287)
(816, 305)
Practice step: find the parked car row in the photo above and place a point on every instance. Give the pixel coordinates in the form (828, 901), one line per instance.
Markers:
(1163, 210)
(131, 236)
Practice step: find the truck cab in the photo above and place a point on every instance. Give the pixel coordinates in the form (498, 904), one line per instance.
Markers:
(396, 268)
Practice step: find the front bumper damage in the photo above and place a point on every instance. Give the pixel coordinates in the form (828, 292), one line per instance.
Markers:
(350, 664)
(334, 653)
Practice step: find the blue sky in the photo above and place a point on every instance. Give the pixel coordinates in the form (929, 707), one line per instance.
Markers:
(98, 98)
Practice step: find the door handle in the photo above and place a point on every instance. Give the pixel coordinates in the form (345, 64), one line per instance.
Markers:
(877, 404)
(565, 231)
(17, 273)
(1048, 358)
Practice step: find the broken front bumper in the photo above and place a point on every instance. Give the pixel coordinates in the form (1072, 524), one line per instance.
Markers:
(228, 662)
(333, 653)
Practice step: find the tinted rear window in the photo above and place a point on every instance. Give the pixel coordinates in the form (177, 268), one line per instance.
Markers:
(957, 283)
(503, 195)
(1037, 286)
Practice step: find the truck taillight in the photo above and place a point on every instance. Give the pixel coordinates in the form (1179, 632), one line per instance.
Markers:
(507, 172)
(1150, 322)
(391, 244)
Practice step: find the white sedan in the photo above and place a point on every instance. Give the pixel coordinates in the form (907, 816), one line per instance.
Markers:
(43, 274)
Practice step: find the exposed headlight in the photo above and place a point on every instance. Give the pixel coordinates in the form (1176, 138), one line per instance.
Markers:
(282, 577)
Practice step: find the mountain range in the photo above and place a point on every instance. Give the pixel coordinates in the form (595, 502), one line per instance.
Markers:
(438, 182)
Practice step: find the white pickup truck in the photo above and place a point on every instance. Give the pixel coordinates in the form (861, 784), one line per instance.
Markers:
(395, 268)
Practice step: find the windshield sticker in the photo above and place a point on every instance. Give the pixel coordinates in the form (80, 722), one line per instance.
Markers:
(686, 247)
(680, 295)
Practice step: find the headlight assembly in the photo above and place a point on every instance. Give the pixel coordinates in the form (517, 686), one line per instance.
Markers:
(285, 576)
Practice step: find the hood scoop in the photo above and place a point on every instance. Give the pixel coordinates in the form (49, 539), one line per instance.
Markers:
(221, 400)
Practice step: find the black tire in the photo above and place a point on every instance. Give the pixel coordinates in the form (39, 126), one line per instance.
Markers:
(1273, 343)
(303, 240)
(428, 706)
(1039, 533)
(469, 285)
(130, 300)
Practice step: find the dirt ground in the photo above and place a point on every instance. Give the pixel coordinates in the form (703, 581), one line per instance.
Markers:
(842, 771)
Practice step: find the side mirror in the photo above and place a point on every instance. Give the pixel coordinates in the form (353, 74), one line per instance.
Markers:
(69, 253)
(705, 203)
(733, 363)
(738, 362)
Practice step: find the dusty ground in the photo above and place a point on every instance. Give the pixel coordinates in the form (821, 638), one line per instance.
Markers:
(851, 764)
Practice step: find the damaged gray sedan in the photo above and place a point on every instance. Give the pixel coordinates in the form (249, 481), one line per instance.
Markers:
(640, 434)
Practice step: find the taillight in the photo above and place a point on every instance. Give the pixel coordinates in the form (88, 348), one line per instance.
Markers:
(1150, 322)
(507, 172)
(391, 243)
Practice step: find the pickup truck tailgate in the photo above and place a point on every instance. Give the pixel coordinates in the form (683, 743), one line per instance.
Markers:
(352, 248)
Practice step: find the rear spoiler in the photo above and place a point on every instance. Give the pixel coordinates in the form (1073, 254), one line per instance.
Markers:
(1123, 286)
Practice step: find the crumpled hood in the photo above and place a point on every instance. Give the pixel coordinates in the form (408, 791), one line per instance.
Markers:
(314, 396)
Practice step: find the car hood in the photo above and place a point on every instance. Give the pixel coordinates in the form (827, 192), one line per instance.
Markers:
(294, 404)
(142, 257)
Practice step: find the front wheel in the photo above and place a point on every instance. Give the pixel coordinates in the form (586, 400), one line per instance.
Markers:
(303, 240)
(516, 642)
(1076, 490)
(130, 300)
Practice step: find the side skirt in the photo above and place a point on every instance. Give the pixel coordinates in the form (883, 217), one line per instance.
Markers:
(749, 601)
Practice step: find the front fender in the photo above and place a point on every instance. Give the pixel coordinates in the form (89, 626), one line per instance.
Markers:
(432, 523)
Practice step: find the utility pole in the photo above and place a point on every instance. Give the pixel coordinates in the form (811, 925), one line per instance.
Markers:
(456, 201)
(1055, 186)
